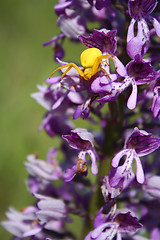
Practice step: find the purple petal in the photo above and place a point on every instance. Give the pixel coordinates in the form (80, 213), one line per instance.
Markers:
(127, 223)
(70, 173)
(94, 168)
(80, 139)
(130, 33)
(141, 8)
(71, 24)
(139, 170)
(142, 71)
(152, 186)
(120, 68)
(142, 142)
(140, 43)
(103, 39)
(132, 100)
(61, 6)
(101, 85)
(96, 232)
(156, 107)
(60, 100)
(156, 25)
(118, 156)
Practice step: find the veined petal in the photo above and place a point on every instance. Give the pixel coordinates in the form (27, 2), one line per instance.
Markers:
(140, 43)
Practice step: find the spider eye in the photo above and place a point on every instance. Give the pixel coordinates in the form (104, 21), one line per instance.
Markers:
(89, 56)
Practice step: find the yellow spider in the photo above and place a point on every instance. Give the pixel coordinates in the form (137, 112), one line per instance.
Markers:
(90, 61)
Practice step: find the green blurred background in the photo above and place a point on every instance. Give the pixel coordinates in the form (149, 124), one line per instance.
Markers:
(24, 63)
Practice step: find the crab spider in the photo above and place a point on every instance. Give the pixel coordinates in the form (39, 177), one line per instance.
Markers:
(90, 61)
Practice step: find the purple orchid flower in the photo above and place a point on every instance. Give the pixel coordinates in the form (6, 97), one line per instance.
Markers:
(151, 185)
(83, 141)
(79, 167)
(140, 143)
(103, 39)
(139, 11)
(51, 212)
(22, 224)
(107, 226)
(108, 191)
(42, 173)
(45, 170)
(55, 125)
(138, 72)
(71, 23)
(106, 41)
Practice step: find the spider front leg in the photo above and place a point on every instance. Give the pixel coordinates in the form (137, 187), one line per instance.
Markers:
(98, 61)
(102, 69)
(69, 65)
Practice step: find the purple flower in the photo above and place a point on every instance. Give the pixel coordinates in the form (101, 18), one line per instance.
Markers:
(138, 72)
(61, 7)
(71, 23)
(52, 97)
(108, 191)
(107, 226)
(139, 143)
(22, 224)
(42, 172)
(139, 11)
(79, 167)
(48, 170)
(54, 124)
(51, 212)
(142, 71)
(151, 185)
(106, 41)
(83, 141)
(103, 39)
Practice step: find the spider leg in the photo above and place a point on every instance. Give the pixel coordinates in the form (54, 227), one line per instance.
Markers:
(77, 69)
(98, 61)
(110, 56)
(66, 72)
(102, 69)
(69, 65)
(105, 62)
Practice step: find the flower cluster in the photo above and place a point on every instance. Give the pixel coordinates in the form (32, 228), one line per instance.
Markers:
(108, 175)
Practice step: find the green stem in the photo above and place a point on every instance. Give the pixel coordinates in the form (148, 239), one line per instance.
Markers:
(113, 132)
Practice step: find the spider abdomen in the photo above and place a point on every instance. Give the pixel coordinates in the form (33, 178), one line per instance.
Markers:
(89, 56)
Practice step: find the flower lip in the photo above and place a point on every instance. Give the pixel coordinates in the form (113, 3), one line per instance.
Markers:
(142, 71)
